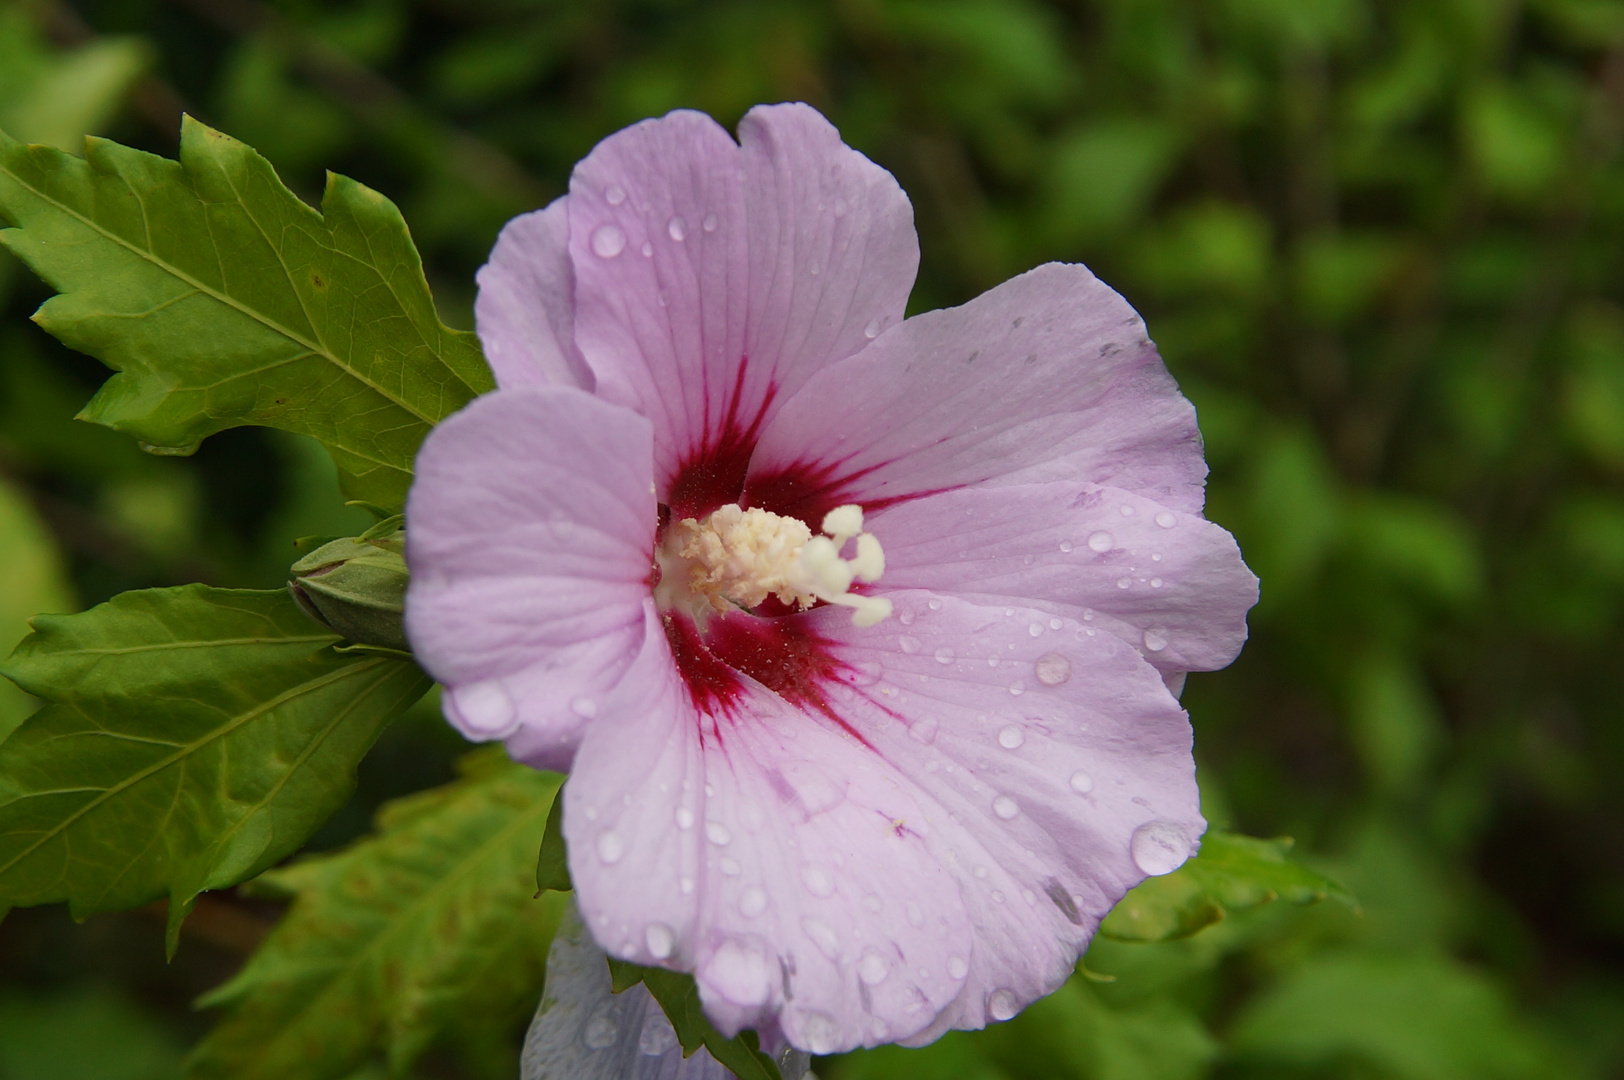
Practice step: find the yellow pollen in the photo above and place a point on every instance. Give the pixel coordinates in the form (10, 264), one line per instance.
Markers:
(738, 558)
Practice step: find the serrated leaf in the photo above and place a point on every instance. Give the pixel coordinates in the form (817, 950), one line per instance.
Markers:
(191, 738)
(1229, 873)
(678, 995)
(222, 299)
(399, 939)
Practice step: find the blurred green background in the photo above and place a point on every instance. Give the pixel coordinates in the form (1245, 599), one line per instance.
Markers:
(1381, 245)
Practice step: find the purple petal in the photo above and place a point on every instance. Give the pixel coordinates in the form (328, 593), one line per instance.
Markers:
(927, 843)
(529, 535)
(1047, 377)
(1170, 584)
(525, 308)
(583, 1031)
(712, 280)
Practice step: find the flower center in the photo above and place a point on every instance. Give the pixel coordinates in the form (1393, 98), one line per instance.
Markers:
(736, 558)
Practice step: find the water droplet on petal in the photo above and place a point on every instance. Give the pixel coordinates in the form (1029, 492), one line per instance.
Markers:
(916, 914)
(648, 250)
(614, 194)
(957, 967)
(677, 229)
(1065, 545)
(600, 1032)
(872, 330)
(1017, 688)
(819, 1032)
(944, 656)
(910, 645)
(610, 847)
(1167, 519)
(817, 880)
(709, 224)
(1052, 669)
(739, 972)
(1101, 542)
(486, 708)
(1123, 583)
(608, 241)
(934, 604)
(717, 833)
(1127, 511)
(658, 1035)
(584, 707)
(1011, 737)
(753, 902)
(872, 968)
(1155, 583)
(823, 937)
(685, 818)
(1081, 782)
(1160, 847)
(686, 885)
(660, 940)
(1155, 640)
(730, 866)
(1036, 629)
(924, 730)
(1006, 807)
(1001, 1005)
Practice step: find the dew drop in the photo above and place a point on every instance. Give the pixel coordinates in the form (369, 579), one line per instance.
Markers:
(819, 1032)
(910, 645)
(658, 1035)
(1123, 583)
(1001, 1005)
(686, 885)
(864, 673)
(685, 818)
(817, 880)
(823, 937)
(610, 847)
(600, 1032)
(872, 330)
(677, 229)
(614, 194)
(1159, 847)
(944, 656)
(872, 968)
(1011, 737)
(1017, 688)
(660, 940)
(717, 833)
(584, 707)
(1006, 807)
(915, 913)
(709, 224)
(1055, 624)
(608, 241)
(906, 618)
(730, 866)
(1065, 545)
(1155, 583)
(1127, 511)
(753, 902)
(648, 250)
(1052, 669)
(1036, 629)
(1081, 782)
(1166, 519)
(486, 708)
(1101, 542)
(934, 604)
(1155, 640)
(923, 730)
(957, 967)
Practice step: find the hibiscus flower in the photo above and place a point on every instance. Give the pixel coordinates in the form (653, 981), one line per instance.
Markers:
(859, 637)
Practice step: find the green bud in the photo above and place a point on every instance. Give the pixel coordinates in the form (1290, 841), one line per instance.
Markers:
(357, 586)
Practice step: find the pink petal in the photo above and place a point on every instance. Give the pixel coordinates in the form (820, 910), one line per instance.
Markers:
(529, 532)
(1047, 377)
(526, 302)
(928, 843)
(1170, 584)
(712, 280)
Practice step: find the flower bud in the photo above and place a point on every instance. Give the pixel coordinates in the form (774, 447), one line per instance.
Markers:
(357, 586)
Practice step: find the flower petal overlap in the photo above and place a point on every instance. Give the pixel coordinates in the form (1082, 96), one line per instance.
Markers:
(849, 834)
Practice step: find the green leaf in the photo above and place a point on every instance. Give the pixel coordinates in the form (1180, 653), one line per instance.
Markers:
(553, 865)
(1230, 873)
(221, 300)
(191, 738)
(678, 995)
(399, 940)
(31, 580)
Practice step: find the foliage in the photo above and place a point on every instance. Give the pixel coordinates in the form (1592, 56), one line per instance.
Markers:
(1378, 242)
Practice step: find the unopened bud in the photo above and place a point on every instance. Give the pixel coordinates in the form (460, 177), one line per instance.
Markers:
(357, 587)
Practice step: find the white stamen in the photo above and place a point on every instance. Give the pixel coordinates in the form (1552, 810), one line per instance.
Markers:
(738, 558)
